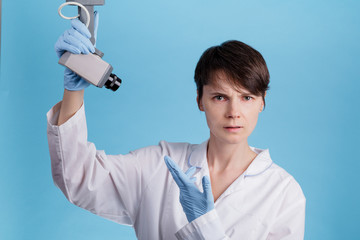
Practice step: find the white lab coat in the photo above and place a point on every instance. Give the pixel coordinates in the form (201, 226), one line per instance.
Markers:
(136, 189)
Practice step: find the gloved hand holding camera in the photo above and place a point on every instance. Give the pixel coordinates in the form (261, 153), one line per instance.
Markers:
(77, 41)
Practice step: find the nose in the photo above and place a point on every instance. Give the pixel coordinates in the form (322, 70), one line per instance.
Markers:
(233, 109)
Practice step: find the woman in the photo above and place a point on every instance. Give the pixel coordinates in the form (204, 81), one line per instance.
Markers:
(227, 189)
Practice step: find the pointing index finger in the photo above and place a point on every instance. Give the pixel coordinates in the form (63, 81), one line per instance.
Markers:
(178, 175)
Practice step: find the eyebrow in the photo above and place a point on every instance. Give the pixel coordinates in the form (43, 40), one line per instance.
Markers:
(215, 93)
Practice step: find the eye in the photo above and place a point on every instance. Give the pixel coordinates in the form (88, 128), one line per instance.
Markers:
(248, 98)
(219, 98)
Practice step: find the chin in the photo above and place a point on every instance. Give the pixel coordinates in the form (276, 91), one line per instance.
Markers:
(232, 139)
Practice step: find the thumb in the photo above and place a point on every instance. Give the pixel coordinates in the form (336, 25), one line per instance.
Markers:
(207, 187)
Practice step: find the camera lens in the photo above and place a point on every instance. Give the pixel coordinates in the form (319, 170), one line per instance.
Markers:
(113, 82)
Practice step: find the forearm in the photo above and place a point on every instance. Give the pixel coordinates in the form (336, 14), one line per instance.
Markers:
(71, 103)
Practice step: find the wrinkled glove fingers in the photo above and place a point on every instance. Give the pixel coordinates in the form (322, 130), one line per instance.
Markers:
(80, 27)
(64, 46)
(75, 42)
(61, 46)
(73, 36)
(85, 41)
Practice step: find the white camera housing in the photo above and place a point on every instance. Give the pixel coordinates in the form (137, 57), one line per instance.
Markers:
(91, 68)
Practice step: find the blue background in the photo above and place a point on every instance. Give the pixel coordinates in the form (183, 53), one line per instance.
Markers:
(310, 124)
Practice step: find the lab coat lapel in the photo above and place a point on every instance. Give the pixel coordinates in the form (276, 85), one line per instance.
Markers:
(260, 164)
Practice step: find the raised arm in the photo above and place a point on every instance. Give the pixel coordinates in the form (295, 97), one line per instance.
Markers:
(75, 40)
(107, 185)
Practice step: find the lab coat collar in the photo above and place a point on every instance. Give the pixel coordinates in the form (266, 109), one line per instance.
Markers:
(198, 156)
(260, 164)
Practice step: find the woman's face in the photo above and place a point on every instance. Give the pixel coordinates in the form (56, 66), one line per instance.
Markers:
(231, 113)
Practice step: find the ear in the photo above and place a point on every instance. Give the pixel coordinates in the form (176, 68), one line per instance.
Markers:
(262, 107)
(262, 104)
(200, 106)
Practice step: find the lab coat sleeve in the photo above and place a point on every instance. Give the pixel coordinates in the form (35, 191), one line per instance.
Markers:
(207, 226)
(107, 185)
(290, 220)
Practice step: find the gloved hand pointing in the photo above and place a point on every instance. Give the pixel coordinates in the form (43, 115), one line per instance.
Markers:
(76, 40)
(194, 202)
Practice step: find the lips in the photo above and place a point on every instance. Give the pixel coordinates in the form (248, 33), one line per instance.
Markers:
(233, 128)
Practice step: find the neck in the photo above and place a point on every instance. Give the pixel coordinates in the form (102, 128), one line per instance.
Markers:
(224, 156)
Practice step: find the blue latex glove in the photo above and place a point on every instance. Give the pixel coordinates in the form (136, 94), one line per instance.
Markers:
(194, 202)
(76, 40)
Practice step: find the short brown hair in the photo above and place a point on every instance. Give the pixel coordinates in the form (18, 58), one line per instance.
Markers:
(244, 66)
